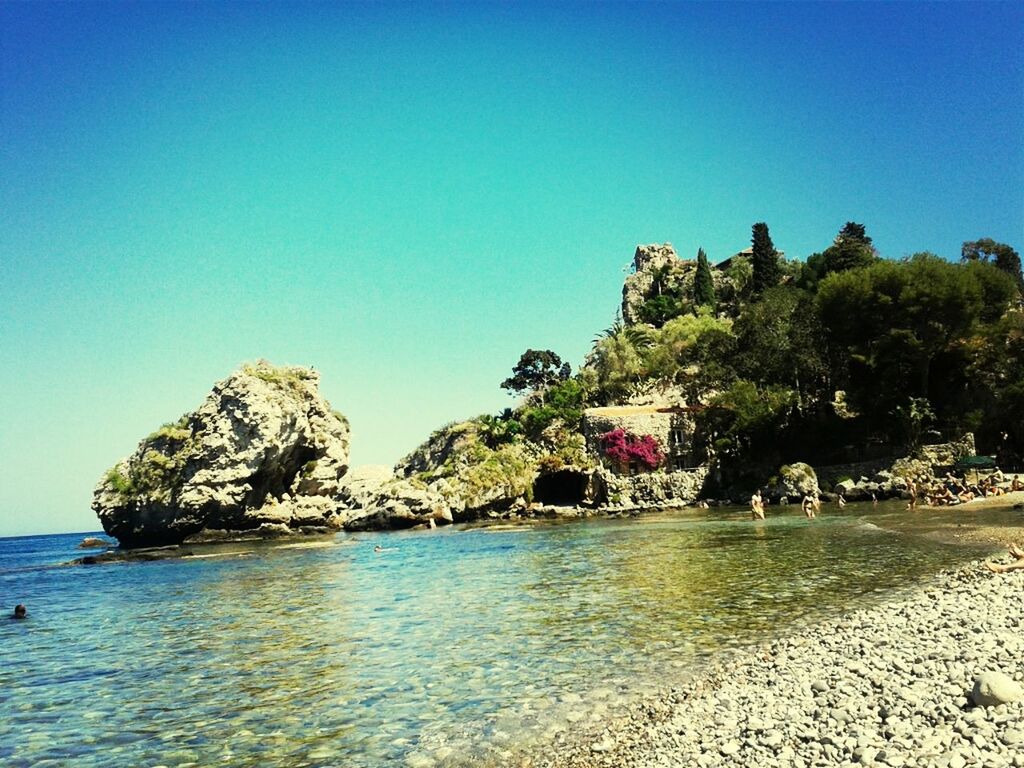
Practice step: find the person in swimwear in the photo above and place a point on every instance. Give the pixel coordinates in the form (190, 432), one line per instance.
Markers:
(808, 506)
(1018, 561)
(757, 506)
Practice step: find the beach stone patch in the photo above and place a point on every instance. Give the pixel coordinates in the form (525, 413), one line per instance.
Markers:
(891, 685)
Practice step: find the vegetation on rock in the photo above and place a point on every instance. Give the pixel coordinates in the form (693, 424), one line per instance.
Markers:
(623, 449)
(832, 358)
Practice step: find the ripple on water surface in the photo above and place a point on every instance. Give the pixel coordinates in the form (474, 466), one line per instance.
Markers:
(448, 646)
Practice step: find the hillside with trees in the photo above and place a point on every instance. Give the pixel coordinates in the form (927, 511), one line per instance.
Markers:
(840, 357)
(826, 357)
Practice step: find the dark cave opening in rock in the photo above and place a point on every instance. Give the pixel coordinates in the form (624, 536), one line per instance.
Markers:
(275, 477)
(563, 488)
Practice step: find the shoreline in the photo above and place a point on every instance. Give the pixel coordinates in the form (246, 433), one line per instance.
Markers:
(887, 685)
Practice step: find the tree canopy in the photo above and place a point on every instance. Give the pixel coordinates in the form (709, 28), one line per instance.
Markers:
(703, 285)
(765, 260)
(536, 370)
(1003, 256)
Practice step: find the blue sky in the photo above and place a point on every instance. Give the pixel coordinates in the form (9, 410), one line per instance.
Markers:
(408, 196)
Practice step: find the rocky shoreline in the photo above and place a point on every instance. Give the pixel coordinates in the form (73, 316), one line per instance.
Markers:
(886, 686)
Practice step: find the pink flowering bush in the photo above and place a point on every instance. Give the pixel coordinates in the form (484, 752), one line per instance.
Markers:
(623, 448)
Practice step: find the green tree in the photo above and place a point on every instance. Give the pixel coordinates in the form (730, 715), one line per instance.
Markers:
(659, 309)
(765, 260)
(536, 370)
(914, 417)
(891, 328)
(666, 353)
(779, 341)
(1003, 256)
(745, 418)
(851, 249)
(703, 285)
(617, 362)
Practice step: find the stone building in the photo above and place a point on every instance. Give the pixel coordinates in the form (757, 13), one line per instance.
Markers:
(671, 426)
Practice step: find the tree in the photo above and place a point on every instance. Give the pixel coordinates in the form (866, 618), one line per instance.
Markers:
(616, 361)
(536, 370)
(914, 417)
(659, 309)
(1002, 255)
(703, 285)
(765, 260)
(891, 328)
(779, 341)
(745, 419)
(851, 249)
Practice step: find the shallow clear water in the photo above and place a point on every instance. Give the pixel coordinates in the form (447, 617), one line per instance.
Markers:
(454, 645)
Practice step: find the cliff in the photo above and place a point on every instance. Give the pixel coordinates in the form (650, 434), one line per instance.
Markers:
(264, 454)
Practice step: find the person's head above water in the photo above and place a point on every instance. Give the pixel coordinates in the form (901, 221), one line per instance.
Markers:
(20, 612)
(378, 548)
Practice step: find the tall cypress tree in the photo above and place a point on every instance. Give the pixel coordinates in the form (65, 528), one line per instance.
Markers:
(703, 286)
(765, 260)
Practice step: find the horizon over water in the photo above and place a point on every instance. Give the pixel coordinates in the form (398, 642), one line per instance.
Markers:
(452, 647)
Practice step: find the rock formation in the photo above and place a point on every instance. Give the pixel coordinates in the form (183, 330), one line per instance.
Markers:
(659, 271)
(793, 482)
(452, 477)
(264, 454)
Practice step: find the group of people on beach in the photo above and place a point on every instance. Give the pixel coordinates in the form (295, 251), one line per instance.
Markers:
(952, 490)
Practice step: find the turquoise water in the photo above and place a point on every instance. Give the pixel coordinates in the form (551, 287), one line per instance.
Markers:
(453, 646)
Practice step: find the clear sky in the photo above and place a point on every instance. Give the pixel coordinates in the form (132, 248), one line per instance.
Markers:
(408, 196)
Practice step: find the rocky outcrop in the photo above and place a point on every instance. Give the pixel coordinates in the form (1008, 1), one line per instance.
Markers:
(793, 482)
(942, 455)
(656, 268)
(658, 271)
(264, 452)
(401, 504)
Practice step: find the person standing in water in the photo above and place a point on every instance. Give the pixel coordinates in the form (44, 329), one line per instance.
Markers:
(912, 490)
(757, 506)
(808, 506)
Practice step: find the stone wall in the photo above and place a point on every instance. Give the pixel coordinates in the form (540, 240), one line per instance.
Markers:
(655, 489)
(947, 454)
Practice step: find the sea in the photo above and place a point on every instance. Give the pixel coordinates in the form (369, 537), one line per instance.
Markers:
(458, 646)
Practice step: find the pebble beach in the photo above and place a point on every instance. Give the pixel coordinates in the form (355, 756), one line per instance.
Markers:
(890, 685)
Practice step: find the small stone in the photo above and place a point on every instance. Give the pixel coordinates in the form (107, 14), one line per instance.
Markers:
(994, 688)
(604, 745)
(819, 686)
(1013, 737)
(730, 748)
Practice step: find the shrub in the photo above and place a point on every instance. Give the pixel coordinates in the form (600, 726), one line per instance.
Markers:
(624, 448)
(550, 463)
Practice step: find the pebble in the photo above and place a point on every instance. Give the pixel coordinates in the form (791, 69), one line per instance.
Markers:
(884, 686)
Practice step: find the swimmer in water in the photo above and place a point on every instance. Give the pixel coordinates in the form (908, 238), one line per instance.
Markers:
(20, 612)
